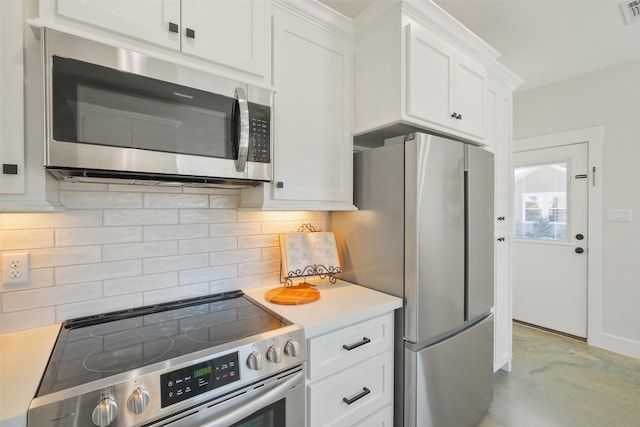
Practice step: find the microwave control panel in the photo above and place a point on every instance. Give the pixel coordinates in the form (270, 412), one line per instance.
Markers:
(259, 134)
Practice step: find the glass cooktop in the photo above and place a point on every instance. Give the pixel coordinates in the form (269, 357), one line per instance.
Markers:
(96, 347)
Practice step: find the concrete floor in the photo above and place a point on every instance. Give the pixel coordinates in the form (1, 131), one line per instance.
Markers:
(560, 382)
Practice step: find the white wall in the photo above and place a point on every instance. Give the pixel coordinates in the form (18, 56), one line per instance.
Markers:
(608, 98)
(119, 247)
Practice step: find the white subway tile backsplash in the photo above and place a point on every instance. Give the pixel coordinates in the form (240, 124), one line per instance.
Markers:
(100, 200)
(270, 253)
(97, 236)
(143, 188)
(179, 292)
(52, 296)
(207, 216)
(259, 216)
(194, 246)
(235, 229)
(99, 271)
(260, 267)
(97, 306)
(220, 201)
(287, 226)
(124, 251)
(88, 218)
(234, 257)
(304, 216)
(235, 284)
(271, 279)
(164, 201)
(148, 282)
(174, 263)
(173, 232)
(38, 278)
(259, 241)
(26, 239)
(119, 247)
(208, 274)
(140, 217)
(72, 255)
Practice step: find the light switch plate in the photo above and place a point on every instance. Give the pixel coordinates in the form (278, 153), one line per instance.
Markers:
(619, 215)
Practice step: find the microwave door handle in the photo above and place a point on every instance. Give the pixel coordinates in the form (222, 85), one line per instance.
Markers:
(243, 130)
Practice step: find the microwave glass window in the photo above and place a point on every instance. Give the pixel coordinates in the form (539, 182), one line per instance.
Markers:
(98, 105)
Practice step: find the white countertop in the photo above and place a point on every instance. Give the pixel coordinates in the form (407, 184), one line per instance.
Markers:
(340, 304)
(23, 357)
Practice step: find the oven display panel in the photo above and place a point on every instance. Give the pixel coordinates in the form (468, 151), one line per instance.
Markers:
(191, 381)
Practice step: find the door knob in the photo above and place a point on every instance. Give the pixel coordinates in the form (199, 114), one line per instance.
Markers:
(579, 236)
(579, 250)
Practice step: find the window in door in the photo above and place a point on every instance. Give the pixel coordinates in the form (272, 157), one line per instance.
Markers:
(541, 202)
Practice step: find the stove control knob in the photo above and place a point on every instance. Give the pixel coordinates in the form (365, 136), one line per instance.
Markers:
(292, 348)
(105, 412)
(254, 361)
(138, 400)
(274, 354)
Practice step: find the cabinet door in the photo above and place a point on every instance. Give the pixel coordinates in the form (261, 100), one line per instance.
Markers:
(430, 74)
(469, 93)
(11, 99)
(312, 137)
(231, 32)
(146, 20)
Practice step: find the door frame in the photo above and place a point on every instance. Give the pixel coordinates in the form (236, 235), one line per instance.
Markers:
(593, 136)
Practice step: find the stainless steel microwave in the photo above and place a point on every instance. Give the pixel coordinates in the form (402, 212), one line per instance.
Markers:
(115, 113)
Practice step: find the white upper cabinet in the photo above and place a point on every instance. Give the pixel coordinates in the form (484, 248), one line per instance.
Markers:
(228, 31)
(411, 76)
(24, 183)
(312, 72)
(469, 96)
(145, 20)
(232, 33)
(444, 86)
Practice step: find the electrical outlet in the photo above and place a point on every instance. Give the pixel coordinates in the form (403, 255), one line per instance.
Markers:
(15, 269)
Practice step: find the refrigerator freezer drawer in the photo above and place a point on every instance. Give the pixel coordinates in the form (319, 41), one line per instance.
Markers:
(450, 384)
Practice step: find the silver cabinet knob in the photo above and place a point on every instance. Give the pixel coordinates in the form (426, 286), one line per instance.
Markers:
(274, 354)
(105, 412)
(138, 400)
(254, 361)
(292, 348)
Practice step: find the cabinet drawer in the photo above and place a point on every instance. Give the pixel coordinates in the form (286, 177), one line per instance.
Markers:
(336, 350)
(382, 418)
(353, 394)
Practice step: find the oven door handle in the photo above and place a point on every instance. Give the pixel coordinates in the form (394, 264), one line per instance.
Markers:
(245, 409)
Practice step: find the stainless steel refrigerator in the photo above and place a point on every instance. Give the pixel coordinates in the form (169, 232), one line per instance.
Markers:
(424, 232)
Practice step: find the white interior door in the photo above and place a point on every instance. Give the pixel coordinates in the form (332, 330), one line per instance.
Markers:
(549, 246)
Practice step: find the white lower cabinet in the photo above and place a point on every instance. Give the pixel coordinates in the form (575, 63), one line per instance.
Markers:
(382, 418)
(350, 375)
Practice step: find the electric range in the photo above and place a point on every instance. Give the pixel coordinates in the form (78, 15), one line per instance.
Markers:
(155, 364)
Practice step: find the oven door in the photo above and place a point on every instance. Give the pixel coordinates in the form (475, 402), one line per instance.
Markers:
(278, 401)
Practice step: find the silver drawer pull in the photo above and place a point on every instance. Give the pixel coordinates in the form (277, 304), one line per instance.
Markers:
(350, 347)
(350, 400)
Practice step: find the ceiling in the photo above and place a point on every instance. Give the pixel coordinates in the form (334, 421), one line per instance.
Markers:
(542, 41)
